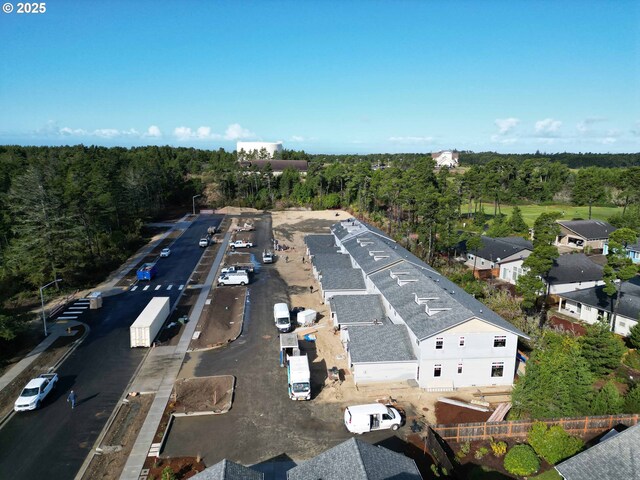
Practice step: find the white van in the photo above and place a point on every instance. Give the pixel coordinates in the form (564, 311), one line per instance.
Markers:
(281, 317)
(374, 416)
(238, 278)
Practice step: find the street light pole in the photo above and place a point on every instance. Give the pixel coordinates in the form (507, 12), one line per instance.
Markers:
(194, 202)
(44, 318)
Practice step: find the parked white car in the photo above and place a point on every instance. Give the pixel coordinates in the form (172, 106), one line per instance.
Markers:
(204, 242)
(239, 278)
(241, 244)
(165, 252)
(35, 392)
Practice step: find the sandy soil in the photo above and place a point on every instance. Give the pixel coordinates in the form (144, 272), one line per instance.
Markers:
(289, 228)
(203, 394)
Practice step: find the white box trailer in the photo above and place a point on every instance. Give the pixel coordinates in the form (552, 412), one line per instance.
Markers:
(149, 322)
(299, 377)
(307, 317)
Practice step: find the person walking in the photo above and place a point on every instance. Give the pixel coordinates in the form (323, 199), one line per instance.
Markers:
(72, 399)
(311, 289)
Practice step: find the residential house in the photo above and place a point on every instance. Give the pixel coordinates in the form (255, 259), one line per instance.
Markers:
(573, 271)
(500, 257)
(451, 340)
(356, 459)
(228, 470)
(593, 304)
(584, 234)
(445, 158)
(633, 251)
(613, 458)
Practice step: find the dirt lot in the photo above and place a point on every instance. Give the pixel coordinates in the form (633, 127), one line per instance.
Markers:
(289, 229)
(120, 438)
(201, 271)
(221, 318)
(203, 394)
(42, 364)
(447, 414)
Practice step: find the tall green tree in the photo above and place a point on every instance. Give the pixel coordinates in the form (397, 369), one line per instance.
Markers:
(532, 283)
(602, 349)
(474, 243)
(557, 383)
(589, 187)
(619, 268)
(517, 223)
(607, 401)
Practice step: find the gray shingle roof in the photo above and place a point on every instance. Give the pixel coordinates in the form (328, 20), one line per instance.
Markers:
(629, 305)
(458, 305)
(574, 268)
(333, 261)
(357, 309)
(321, 244)
(228, 470)
(589, 229)
(356, 459)
(425, 283)
(501, 248)
(380, 343)
(343, 279)
(613, 459)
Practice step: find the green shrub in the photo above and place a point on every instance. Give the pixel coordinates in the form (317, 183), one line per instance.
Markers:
(481, 452)
(498, 448)
(632, 359)
(168, 474)
(607, 401)
(553, 444)
(465, 448)
(521, 460)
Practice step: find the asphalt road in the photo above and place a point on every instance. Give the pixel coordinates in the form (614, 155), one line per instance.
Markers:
(263, 423)
(54, 441)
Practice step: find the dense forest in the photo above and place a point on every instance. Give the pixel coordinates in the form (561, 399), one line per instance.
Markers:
(76, 212)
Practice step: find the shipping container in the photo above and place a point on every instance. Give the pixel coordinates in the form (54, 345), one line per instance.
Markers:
(149, 322)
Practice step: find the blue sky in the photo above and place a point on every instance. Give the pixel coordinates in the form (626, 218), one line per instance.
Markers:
(325, 76)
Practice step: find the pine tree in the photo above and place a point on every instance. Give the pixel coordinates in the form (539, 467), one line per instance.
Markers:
(516, 222)
(607, 401)
(602, 349)
(634, 336)
(632, 400)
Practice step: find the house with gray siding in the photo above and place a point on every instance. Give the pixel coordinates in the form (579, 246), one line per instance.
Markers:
(456, 340)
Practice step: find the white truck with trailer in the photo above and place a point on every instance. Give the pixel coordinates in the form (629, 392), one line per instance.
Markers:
(282, 317)
(289, 347)
(35, 392)
(237, 278)
(149, 322)
(370, 417)
(299, 377)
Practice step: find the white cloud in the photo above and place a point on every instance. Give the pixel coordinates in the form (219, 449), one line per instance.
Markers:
(153, 131)
(411, 139)
(236, 132)
(296, 138)
(66, 131)
(548, 126)
(505, 125)
(183, 133)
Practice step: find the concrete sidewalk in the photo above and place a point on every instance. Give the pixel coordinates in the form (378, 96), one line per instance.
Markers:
(161, 380)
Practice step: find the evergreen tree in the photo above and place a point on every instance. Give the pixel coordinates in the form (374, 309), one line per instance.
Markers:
(517, 223)
(634, 335)
(557, 382)
(500, 227)
(619, 268)
(607, 401)
(632, 400)
(602, 349)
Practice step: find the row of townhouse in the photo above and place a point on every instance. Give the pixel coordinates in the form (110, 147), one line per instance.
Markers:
(400, 320)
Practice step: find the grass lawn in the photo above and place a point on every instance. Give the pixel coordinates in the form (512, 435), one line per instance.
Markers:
(531, 212)
(551, 474)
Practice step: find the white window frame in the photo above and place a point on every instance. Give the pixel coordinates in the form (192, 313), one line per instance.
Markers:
(498, 338)
(499, 365)
(439, 343)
